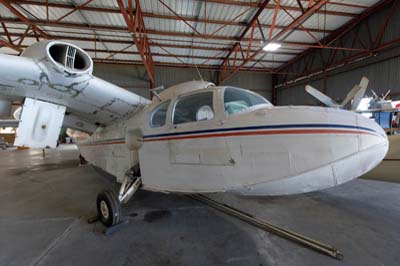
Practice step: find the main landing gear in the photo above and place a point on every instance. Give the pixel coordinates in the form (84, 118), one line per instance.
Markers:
(109, 203)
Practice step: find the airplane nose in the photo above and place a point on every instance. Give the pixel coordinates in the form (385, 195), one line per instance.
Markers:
(374, 145)
(380, 136)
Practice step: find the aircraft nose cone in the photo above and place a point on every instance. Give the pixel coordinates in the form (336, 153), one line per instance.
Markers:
(380, 134)
(374, 145)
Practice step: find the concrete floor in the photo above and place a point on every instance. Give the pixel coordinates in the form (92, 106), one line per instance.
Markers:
(44, 205)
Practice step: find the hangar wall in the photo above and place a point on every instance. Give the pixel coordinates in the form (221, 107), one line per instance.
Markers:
(134, 78)
(384, 74)
(382, 68)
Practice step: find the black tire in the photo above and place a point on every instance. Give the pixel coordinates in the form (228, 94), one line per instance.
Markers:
(109, 202)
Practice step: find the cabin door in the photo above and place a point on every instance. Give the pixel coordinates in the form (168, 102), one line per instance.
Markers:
(192, 139)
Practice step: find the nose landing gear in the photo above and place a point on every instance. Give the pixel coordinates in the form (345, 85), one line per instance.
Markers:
(109, 204)
(108, 208)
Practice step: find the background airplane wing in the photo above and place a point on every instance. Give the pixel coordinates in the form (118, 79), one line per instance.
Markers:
(321, 97)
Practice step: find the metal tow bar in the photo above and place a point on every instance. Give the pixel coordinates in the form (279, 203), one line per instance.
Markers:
(300, 239)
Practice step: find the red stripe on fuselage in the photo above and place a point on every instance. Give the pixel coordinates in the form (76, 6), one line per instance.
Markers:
(264, 132)
(242, 133)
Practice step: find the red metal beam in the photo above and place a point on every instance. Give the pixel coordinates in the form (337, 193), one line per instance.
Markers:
(346, 4)
(23, 18)
(345, 61)
(124, 29)
(233, 22)
(271, 30)
(22, 37)
(277, 37)
(330, 39)
(300, 5)
(292, 8)
(47, 10)
(302, 27)
(9, 45)
(225, 2)
(181, 18)
(137, 29)
(167, 54)
(236, 46)
(175, 65)
(253, 20)
(74, 10)
(373, 46)
(109, 39)
(7, 33)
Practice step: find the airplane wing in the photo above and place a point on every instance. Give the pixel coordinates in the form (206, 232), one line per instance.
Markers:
(355, 94)
(321, 97)
(55, 79)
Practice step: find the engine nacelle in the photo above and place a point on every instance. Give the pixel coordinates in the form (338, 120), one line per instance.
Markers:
(66, 57)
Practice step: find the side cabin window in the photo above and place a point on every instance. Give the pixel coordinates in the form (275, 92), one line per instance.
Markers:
(159, 115)
(238, 100)
(195, 107)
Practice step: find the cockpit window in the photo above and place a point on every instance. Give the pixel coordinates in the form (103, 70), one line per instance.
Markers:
(239, 100)
(195, 107)
(159, 115)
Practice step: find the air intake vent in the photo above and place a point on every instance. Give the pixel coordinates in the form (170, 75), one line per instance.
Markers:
(70, 58)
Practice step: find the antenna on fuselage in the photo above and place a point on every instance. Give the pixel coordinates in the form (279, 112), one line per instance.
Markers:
(154, 91)
(198, 72)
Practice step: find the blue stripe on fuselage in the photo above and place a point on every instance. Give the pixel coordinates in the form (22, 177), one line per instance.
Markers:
(258, 127)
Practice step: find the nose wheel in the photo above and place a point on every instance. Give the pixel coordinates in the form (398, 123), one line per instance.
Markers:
(108, 208)
(109, 204)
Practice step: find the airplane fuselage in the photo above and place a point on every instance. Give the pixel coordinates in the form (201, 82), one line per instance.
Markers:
(193, 137)
(263, 150)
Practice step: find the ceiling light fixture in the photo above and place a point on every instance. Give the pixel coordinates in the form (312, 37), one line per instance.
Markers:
(272, 46)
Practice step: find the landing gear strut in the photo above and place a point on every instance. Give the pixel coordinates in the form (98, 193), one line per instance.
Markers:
(109, 204)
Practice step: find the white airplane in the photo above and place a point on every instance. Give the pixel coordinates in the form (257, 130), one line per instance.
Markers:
(194, 137)
(381, 104)
(354, 96)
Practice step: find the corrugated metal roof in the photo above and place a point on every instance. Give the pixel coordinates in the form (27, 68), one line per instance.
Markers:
(174, 35)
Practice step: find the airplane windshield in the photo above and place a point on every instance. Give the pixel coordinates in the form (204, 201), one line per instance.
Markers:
(238, 100)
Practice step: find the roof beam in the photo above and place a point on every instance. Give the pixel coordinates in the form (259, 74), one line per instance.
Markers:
(226, 2)
(23, 18)
(292, 8)
(341, 31)
(174, 65)
(124, 51)
(136, 26)
(9, 45)
(237, 46)
(6, 32)
(289, 45)
(179, 17)
(310, 11)
(162, 16)
(124, 29)
(254, 19)
(72, 11)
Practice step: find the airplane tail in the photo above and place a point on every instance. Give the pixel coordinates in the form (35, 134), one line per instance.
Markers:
(356, 94)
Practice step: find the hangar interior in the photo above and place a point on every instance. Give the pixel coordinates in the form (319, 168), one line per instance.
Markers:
(147, 46)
